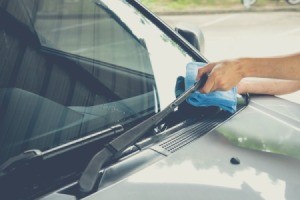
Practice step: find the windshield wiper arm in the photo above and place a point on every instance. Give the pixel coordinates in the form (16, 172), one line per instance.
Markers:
(113, 149)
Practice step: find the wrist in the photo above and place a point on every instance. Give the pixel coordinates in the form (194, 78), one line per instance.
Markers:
(241, 67)
(242, 87)
(245, 67)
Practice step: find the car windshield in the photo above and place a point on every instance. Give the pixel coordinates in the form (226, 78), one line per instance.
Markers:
(71, 68)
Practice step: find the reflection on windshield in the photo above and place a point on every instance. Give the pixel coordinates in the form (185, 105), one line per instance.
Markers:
(86, 66)
(167, 58)
(91, 31)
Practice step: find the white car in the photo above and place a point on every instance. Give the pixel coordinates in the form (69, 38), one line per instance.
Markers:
(86, 112)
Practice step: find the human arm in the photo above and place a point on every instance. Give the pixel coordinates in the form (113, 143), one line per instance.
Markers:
(267, 86)
(227, 74)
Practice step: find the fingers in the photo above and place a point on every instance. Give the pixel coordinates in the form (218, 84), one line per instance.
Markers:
(222, 76)
(206, 69)
(209, 86)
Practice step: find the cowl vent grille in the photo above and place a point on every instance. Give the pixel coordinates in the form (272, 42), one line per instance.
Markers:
(191, 133)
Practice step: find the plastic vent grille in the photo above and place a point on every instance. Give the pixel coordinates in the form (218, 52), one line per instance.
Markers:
(191, 133)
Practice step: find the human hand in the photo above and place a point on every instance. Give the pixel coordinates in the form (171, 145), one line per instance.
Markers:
(222, 75)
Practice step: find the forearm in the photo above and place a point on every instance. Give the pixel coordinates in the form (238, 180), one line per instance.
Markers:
(283, 67)
(226, 74)
(267, 86)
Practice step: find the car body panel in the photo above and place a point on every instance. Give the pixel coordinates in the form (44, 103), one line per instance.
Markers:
(203, 169)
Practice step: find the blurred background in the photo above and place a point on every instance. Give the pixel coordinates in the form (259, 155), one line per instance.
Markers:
(173, 5)
(235, 28)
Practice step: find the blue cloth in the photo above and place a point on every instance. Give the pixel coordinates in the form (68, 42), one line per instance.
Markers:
(226, 100)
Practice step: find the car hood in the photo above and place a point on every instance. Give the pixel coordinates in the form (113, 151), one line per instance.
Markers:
(261, 139)
(253, 155)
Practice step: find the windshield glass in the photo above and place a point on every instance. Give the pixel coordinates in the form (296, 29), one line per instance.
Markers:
(88, 65)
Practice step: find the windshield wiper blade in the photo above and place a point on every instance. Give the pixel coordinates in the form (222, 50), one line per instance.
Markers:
(113, 149)
(109, 132)
(14, 161)
(30, 155)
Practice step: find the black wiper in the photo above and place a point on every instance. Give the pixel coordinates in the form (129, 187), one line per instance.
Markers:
(30, 155)
(20, 159)
(114, 149)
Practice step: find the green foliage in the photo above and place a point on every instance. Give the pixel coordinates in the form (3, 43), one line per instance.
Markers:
(188, 4)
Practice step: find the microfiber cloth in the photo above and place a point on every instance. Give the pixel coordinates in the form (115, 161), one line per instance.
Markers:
(226, 100)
